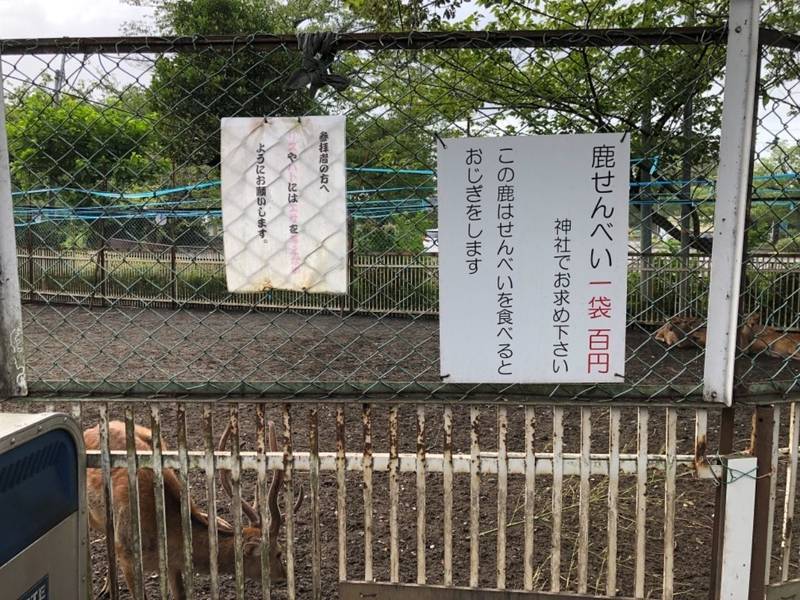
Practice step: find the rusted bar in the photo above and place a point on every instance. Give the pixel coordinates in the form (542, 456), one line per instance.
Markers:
(773, 489)
(262, 445)
(530, 495)
(133, 499)
(341, 491)
(643, 418)
(354, 462)
(420, 40)
(447, 500)
(316, 541)
(502, 493)
(236, 501)
(211, 497)
(366, 422)
(614, 415)
(288, 468)
(669, 503)
(700, 436)
(761, 448)
(394, 498)
(474, 496)
(186, 499)
(108, 493)
(158, 492)
(583, 500)
(791, 490)
(726, 431)
(421, 467)
(555, 541)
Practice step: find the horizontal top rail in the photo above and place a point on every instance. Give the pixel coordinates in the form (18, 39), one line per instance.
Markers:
(409, 40)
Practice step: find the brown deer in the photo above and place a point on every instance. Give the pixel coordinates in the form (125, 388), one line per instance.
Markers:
(683, 332)
(251, 536)
(757, 338)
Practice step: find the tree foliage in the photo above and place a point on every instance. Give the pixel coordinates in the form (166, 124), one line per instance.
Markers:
(193, 91)
(73, 141)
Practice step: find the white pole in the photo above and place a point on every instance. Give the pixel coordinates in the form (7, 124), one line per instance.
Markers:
(733, 187)
(12, 360)
(737, 544)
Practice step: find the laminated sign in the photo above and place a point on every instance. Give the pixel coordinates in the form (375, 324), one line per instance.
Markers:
(284, 211)
(533, 238)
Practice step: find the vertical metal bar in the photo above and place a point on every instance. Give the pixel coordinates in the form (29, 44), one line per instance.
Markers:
(158, 492)
(288, 467)
(558, 476)
(211, 497)
(614, 415)
(502, 493)
(733, 189)
(316, 541)
(474, 496)
(261, 448)
(641, 501)
(341, 491)
(394, 498)
(447, 500)
(700, 435)
(133, 504)
(670, 471)
(12, 358)
(186, 501)
(726, 431)
(236, 501)
(773, 489)
(108, 493)
(583, 502)
(530, 495)
(791, 490)
(761, 448)
(421, 467)
(366, 422)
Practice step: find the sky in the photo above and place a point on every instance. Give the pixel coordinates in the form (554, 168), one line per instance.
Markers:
(56, 18)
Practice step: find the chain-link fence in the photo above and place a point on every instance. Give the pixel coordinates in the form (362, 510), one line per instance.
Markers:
(115, 165)
(769, 345)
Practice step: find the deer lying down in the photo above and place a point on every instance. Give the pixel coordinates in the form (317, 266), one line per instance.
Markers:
(757, 338)
(683, 332)
(251, 536)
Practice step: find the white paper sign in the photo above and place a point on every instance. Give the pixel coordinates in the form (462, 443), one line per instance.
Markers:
(533, 236)
(284, 211)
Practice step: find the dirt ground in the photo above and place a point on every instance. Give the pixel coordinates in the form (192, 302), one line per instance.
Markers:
(126, 344)
(64, 342)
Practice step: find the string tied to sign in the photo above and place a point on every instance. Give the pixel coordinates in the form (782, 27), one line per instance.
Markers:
(733, 475)
(318, 50)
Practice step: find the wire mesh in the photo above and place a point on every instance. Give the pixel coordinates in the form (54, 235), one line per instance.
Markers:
(769, 342)
(115, 166)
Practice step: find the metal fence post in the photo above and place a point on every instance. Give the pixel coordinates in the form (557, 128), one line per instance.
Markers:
(761, 448)
(732, 196)
(12, 360)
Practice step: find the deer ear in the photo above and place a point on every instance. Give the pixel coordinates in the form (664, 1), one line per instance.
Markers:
(252, 549)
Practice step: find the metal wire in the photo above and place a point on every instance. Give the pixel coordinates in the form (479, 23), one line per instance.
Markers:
(115, 166)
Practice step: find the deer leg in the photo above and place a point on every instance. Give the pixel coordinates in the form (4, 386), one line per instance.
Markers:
(176, 585)
(126, 564)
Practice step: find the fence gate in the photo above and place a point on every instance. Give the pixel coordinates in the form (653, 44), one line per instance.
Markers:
(307, 439)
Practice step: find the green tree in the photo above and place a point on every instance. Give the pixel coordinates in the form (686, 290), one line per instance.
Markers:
(192, 91)
(80, 142)
(646, 91)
